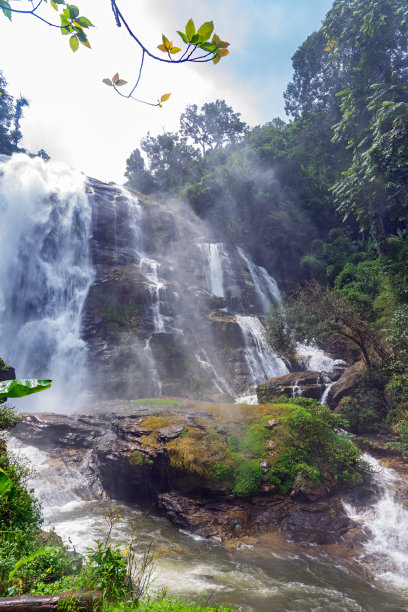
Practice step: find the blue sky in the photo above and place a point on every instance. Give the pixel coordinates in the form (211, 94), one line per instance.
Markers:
(81, 122)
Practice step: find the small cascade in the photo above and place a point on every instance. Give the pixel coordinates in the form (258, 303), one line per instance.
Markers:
(297, 389)
(251, 400)
(266, 287)
(262, 361)
(157, 385)
(328, 383)
(219, 382)
(214, 253)
(149, 267)
(135, 219)
(45, 276)
(386, 525)
(316, 360)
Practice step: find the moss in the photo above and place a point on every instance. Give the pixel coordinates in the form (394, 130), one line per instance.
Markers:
(160, 401)
(247, 477)
(3, 366)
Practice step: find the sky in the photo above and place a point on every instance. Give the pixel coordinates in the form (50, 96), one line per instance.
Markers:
(82, 122)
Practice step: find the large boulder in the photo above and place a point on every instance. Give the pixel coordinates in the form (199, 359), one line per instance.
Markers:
(306, 384)
(343, 386)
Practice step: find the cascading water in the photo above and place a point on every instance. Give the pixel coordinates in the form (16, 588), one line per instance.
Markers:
(45, 276)
(265, 286)
(386, 525)
(262, 361)
(148, 268)
(214, 252)
(316, 360)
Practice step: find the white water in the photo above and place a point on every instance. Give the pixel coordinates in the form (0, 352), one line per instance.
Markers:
(315, 359)
(149, 267)
(386, 524)
(261, 578)
(219, 382)
(262, 361)
(45, 276)
(265, 286)
(297, 390)
(214, 253)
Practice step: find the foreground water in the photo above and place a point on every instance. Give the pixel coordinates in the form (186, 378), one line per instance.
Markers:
(271, 575)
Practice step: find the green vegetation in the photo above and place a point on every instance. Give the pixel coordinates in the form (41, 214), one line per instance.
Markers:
(290, 444)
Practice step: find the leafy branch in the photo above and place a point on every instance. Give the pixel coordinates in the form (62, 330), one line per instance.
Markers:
(198, 46)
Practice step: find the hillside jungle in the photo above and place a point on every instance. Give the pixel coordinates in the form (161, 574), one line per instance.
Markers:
(321, 200)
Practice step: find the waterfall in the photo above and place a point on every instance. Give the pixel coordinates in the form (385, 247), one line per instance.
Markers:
(297, 390)
(45, 276)
(262, 361)
(386, 525)
(219, 382)
(265, 286)
(214, 252)
(316, 360)
(148, 267)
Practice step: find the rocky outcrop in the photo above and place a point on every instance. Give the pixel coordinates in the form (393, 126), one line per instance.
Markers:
(144, 455)
(306, 384)
(343, 386)
(6, 371)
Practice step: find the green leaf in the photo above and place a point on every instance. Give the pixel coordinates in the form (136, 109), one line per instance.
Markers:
(195, 39)
(64, 20)
(22, 386)
(120, 82)
(67, 30)
(182, 36)
(206, 30)
(216, 59)
(34, 555)
(174, 50)
(84, 22)
(54, 5)
(6, 485)
(74, 42)
(216, 39)
(73, 11)
(190, 29)
(208, 46)
(81, 36)
(6, 8)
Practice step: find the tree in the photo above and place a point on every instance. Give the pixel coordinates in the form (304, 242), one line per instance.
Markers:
(370, 39)
(171, 159)
(213, 126)
(319, 314)
(6, 116)
(137, 175)
(16, 134)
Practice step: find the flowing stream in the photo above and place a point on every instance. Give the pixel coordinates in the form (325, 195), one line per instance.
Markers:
(269, 576)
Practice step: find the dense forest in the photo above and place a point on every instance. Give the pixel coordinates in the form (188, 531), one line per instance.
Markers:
(319, 200)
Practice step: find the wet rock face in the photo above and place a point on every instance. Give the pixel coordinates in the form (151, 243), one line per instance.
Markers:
(120, 459)
(306, 384)
(345, 383)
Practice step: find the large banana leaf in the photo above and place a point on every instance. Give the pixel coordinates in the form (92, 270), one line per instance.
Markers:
(6, 485)
(22, 386)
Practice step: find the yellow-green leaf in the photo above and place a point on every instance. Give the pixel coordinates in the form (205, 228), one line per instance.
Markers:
(174, 50)
(216, 39)
(166, 42)
(190, 29)
(74, 43)
(120, 83)
(216, 59)
(86, 43)
(165, 97)
(206, 30)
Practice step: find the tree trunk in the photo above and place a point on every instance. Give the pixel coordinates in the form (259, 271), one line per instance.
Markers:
(84, 600)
